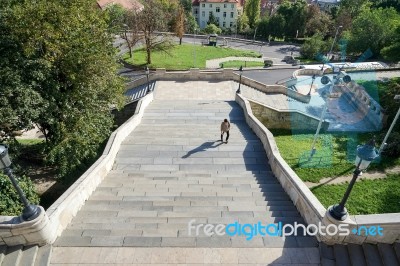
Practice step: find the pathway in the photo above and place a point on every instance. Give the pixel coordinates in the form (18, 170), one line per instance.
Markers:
(172, 169)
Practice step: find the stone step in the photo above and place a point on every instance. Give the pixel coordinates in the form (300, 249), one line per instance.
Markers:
(396, 247)
(43, 256)
(193, 174)
(28, 256)
(341, 255)
(388, 254)
(356, 254)
(3, 250)
(12, 256)
(372, 256)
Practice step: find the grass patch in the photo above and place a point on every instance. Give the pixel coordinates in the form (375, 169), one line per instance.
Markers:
(185, 56)
(237, 64)
(367, 196)
(331, 158)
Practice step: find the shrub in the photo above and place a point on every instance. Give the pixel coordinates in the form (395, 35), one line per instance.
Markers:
(10, 203)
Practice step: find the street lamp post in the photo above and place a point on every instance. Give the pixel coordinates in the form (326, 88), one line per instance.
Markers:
(365, 155)
(30, 211)
(194, 48)
(147, 77)
(325, 80)
(240, 78)
(397, 97)
(334, 40)
(312, 83)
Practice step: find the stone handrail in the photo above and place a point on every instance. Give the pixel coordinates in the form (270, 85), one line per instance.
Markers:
(224, 74)
(312, 211)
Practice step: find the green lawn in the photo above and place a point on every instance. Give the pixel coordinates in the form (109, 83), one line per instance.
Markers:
(334, 157)
(330, 159)
(237, 64)
(185, 56)
(367, 196)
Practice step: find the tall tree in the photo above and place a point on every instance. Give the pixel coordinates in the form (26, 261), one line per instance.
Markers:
(253, 10)
(373, 29)
(295, 14)
(212, 20)
(317, 21)
(130, 32)
(154, 18)
(187, 5)
(180, 23)
(58, 71)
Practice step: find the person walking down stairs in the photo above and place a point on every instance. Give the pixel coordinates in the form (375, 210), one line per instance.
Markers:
(225, 127)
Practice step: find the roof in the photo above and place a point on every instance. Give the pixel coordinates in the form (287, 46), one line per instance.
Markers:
(128, 4)
(216, 1)
(329, 1)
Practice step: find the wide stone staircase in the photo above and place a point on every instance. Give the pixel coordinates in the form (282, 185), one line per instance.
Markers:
(25, 256)
(173, 169)
(360, 255)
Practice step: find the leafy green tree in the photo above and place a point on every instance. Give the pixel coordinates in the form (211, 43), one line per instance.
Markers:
(353, 7)
(130, 32)
(317, 21)
(187, 5)
(242, 23)
(60, 74)
(212, 20)
(314, 46)
(212, 29)
(392, 51)
(191, 23)
(373, 29)
(10, 203)
(253, 10)
(115, 17)
(276, 26)
(295, 14)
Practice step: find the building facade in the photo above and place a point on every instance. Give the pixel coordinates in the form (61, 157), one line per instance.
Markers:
(327, 5)
(226, 12)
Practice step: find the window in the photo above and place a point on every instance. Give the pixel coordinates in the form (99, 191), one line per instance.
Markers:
(203, 5)
(233, 5)
(210, 5)
(203, 13)
(223, 24)
(230, 24)
(224, 5)
(224, 15)
(195, 11)
(210, 14)
(231, 14)
(217, 9)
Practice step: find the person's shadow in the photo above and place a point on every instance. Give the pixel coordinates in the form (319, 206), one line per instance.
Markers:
(203, 147)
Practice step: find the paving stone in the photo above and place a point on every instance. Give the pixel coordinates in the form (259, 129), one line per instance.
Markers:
(142, 241)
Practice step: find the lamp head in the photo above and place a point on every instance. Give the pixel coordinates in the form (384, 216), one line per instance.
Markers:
(325, 80)
(346, 79)
(366, 154)
(5, 161)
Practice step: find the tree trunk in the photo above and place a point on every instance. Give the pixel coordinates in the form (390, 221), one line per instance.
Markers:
(180, 41)
(130, 51)
(148, 56)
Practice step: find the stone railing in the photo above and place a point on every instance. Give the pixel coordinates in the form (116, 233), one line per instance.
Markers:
(310, 208)
(224, 74)
(50, 224)
(363, 101)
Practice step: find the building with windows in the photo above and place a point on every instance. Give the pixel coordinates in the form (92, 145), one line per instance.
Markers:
(225, 12)
(326, 5)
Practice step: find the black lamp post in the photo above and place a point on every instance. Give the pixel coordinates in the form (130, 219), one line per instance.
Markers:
(365, 155)
(240, 78)
(313, 79)
(30, 211)
(147, 76)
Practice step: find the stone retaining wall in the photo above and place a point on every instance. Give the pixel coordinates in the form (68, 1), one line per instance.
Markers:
(285, 119)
